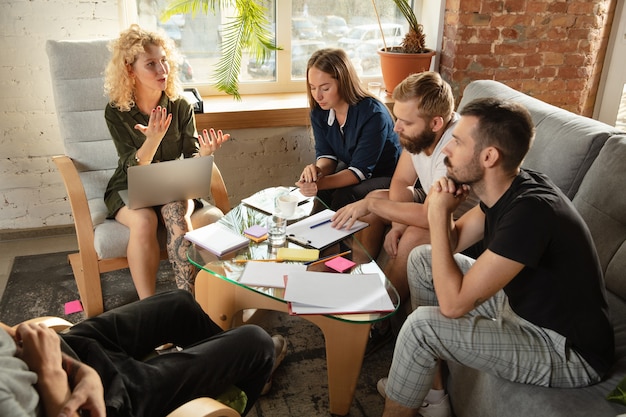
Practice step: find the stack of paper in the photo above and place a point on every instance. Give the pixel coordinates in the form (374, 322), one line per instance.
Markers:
(310, 292)
(268, 274)
(297, 254)
(217, 238)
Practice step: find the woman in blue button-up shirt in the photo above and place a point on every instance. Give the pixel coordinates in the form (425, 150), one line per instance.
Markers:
(356, 149)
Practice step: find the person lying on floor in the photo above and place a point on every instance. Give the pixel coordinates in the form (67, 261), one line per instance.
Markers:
(98, 366)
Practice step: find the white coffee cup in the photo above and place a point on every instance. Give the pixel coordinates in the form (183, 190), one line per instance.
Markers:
(287, 204)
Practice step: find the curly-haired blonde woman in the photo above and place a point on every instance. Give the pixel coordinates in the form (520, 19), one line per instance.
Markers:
(151, 122)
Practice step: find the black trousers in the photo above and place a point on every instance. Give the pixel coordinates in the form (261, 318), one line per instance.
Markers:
(116, 343)
(339, 197)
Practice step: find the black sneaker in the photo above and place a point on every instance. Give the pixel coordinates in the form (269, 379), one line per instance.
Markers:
(380, 334)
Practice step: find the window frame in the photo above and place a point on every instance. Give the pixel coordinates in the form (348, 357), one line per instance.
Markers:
(284, 83)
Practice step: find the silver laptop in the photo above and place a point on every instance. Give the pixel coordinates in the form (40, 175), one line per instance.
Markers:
(164, 182)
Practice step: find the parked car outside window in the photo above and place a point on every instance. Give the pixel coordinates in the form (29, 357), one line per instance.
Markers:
(371, 34)
(301, 51)
(303, 28)
(334, 27)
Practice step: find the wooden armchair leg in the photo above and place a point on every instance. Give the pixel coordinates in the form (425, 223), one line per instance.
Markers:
(89, 287)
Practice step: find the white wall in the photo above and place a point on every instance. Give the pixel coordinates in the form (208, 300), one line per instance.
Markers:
(32, 194)
(31, 191)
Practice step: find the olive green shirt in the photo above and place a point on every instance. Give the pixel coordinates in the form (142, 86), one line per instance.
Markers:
(181, 139)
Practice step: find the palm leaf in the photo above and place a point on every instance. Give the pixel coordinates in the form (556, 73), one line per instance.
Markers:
(409, 15)
(247, 31)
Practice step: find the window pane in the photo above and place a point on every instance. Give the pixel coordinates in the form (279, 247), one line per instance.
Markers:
(347, 24)
(198, 38)
(351, 25)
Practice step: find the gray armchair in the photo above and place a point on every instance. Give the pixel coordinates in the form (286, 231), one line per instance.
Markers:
(77, 73)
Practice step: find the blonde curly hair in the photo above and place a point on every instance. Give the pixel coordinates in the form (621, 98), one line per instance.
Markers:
(118, 84)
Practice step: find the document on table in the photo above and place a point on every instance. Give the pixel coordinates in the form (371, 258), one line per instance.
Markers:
(264, 199)
(310, 292)
(268, 274)
(317, 231)
(217, 238)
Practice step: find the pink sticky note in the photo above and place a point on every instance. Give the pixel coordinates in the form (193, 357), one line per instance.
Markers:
(340, 264)
(73, 307)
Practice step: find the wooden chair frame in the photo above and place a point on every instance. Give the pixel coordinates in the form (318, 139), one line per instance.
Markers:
(86, 265)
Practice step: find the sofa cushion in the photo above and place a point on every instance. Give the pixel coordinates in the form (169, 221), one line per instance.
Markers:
(565, 144)
(601, 201)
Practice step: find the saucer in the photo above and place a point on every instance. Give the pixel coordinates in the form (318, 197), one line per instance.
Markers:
(299, 213)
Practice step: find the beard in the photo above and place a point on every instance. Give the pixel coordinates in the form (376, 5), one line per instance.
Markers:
(470, 174)
(416, 144)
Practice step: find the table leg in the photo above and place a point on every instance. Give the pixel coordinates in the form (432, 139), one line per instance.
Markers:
(345, 341)
(217, 298)
(345, 348)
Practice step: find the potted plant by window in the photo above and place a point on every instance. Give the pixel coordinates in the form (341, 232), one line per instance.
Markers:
(248, 31)
(398, 62)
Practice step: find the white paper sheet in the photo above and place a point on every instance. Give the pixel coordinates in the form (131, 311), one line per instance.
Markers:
(313, 292)
(217, 238)
(268, 274)
(322, 236)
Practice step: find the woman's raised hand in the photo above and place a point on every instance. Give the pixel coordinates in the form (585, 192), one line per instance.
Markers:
(158, 124)
(211, 140)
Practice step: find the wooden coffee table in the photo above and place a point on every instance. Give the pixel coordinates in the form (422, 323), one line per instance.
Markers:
(223, 298)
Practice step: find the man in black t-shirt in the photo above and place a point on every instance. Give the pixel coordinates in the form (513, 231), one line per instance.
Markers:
(532, 307)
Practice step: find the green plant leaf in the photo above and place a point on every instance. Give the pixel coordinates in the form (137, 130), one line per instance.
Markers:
(248, 31)
(407, 12)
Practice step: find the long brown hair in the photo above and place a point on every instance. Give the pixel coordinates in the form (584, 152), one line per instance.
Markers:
(336, 63)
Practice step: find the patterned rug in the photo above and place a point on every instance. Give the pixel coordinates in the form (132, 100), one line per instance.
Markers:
(41, 285)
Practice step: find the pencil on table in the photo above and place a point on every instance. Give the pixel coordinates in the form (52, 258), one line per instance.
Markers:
(243, 261)
(328, 258)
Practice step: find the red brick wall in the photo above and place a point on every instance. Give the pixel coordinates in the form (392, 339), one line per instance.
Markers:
(551, 50)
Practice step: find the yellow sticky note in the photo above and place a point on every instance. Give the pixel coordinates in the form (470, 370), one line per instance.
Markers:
(297, 254)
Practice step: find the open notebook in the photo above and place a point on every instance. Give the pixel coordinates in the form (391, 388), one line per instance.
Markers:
(217, 238)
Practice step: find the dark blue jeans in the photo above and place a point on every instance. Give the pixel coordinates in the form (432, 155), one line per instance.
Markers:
(116, 342)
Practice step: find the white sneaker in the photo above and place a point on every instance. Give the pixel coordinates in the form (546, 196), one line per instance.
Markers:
(380, 387)
(439, 409)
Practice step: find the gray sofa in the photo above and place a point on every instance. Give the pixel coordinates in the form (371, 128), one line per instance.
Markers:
(587, 160)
